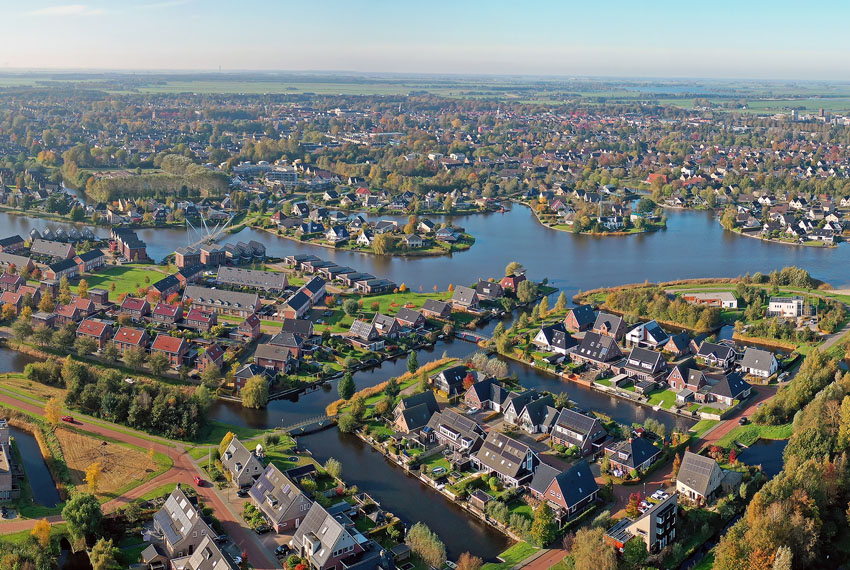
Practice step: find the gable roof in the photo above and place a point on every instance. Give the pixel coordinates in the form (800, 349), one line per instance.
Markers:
(644, 360)
(637, 451)
(465, 295)
(583, 314)
(127, 335)
(408, 315)
(503, 454)
(757, 359)
(556, 335)
(695, 472)
(607, 321)
(730, 385)
(178, 518)
(599, 347)
(576, 483)
(576, 421)
(434, 306)
(718, 351)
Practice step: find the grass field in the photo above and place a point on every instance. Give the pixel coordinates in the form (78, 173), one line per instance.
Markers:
(127, 278)
(512, 556)
(749, 433)
(122, 466)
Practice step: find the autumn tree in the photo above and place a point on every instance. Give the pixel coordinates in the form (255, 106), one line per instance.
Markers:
(41, 532)
(47, 304)
(53, 411)
(83, 289)
(93, 473)
(104, 556)
(544, 527)
(677, 462)
(513, 268)
(255, 393)
(225, 442)
(134, 357)
(158, 363)
(632, 508)
(469, 562)
(426, 544)
(592, 552)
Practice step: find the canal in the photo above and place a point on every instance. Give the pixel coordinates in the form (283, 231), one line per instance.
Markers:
(40, 481)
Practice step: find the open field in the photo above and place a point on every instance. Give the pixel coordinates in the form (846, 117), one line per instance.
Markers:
(127, 278)
(122, 465)
(750, 433)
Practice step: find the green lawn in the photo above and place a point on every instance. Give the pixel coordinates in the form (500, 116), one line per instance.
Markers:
(512, 556)
(127, 278)
(749, 433)
(703, 426)
(666, 398)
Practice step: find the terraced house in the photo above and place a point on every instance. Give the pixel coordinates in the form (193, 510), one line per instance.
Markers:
(222, 302)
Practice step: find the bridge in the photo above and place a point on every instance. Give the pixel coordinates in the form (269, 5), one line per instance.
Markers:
(208, 235)
(310, 425)
(470, 337)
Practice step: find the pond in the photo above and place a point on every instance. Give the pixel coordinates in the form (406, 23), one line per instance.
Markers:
(767, 453)
(41, 482)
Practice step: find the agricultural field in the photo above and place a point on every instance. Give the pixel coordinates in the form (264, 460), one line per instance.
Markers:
(123, 467)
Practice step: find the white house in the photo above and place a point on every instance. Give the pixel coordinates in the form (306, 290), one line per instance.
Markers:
(786, 307)
(759, 362)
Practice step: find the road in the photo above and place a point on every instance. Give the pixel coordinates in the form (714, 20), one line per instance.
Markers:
(763, 393)
(183, 471)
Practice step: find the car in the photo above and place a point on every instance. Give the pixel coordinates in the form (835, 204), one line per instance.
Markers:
(198, 481)
(743, 421)
(328, 314)
(438, 470)
(263, 529)
(282, 550)
(242, 493)
(220, 539)
(69, 419)
(237, 560)
(320, 322)
(472, 411)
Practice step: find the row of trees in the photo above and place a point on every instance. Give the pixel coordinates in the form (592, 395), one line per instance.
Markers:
(653, 303)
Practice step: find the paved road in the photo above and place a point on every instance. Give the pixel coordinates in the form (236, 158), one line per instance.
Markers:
(183, 471)
(763, 393)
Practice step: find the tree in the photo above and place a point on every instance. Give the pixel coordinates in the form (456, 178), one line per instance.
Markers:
(632, 508)
(104, 556)
(211, 377)
(592, 552)
(158, 363)
(8, 312)
(93, 473)
(392, 388)
(513, 268)
(134, 356)
(635, 554)
(382, 244)
(85, 345)
(561, 303)
(53, 411)
(677, 462)
(426, 544)
(544, 307)
(469, 562)
(41, 532)
(64, 290)
(412, 362)
(83, 289)
(347, 423)
(350, 307)
(562, 400)
(543, 528)
(22, 330)
(255, 393)
(83, 515)
(468, 381)
(346, 387)
(110, 352)
(46, 304)
(784, 559)
(526, 291)
(334, 468)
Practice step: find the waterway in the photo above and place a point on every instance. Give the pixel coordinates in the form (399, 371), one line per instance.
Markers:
(767, 453)
(41, 482)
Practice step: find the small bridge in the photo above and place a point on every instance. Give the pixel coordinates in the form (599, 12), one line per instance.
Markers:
(470, 337)
(311, 425)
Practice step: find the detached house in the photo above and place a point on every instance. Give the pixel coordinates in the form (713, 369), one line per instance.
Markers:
(249, 329)
(244, 467)
(609, 325)
(326, 543)
(413, 412)
(580, 318)
(699, 477)
(555, 338)
(644, 364)
(280, 500)
(489, 290)
(127, 338)
(450, 380)
(597, 350)
(716, 355)
(437, 309)
(465, 298)
(759, 363)
(456, 431)
(488, 394)
(513, 462)
(175, 349)
(179, 527)
(569, 492)
(573, 428)
(410, 318)
(386, 326)
(647, 335)
(99, 331)
(633, 453)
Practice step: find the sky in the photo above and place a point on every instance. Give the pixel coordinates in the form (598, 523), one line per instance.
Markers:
(638, 38)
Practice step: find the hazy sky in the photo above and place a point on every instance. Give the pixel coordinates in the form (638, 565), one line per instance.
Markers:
(724, 38)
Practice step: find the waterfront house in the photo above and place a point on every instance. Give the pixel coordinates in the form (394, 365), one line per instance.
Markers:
(175, 349)
(656, 527)
(573, 428)
(179, 527)
(165, 313)
(450, 381)
(786, 307)
(436, 309)
(716, 355)
(248, 371)
(364, 334)
(580, 318)
(723, 299)
(511, 461)
(487, 394)
(728, 388)
(9, 488)
(646, 335)
(244, 467)
(277, 357)
(328, 544)
(609, 325)
(597, 350)
(12, 244)
(200, 320)
(135, 308)
(555, 338)
(465, 298)
(678, 344)
(489, 290)
(644, 364)
(127, 338)
(413, 412)
(758, 362)
(410, 318)
(386, 326)
(512, 281)
(213, 355)
(456, 431)
(99, 331)
(281, 501)
(699, 477)
(569, 492)
(634, 453)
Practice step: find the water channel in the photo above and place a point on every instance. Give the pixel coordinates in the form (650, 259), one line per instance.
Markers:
(40, 481)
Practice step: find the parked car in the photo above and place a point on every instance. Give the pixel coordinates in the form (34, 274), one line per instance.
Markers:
(198, 481)
(263, 529)
(220, 539)
(743, 421)
(242, 493)
(282, 550)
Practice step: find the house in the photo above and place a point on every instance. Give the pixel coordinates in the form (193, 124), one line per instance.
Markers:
(213, 355)
(20, 262)
(699, 477)
(300, 327)
(487, 394)
(163, 289)
(135, 308)
(759, 362)
(644, 364)
(538, 415)
(573, 428)
(337, 234)
(175, 349)
(179, 526)
(413, 412)
(609, 325)
(450, 381)
(515, 403)
(370, 286)
(220, 301)
(729, 388)
(569, 492)
(489, 290)
(555, 338)
(65, 314)
(279, 356)
(465, 298)
(55, 250)
(437, 309)
(723, 299)
(99, 331)
(656, 527)
(296, 306)
(512, 461)
(12, 244)
(250, 370)
(315, 288)
(90, 261)
(366, 335)
(325, 541)
(243, 466)
(646, 335)
(678, 344)
(597, 350)
(271, 281)
(716, 355)
(201, 321)
(413, 241)
(281, 501)
(580, 318)
(67, 268)
(127, 338)
(165, 313)
(9, 488)
(249, 328)
(386, 326)
(11, 282)
(410, 318)
(786, 307)
(456, 431)
(633, 453)
(512, 281)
